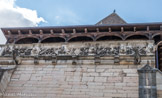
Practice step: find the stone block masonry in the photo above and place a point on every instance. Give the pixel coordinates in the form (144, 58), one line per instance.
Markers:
(79, 81)
(4, 82)
(159, 83)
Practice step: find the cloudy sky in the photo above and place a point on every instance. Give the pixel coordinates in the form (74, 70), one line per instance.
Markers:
(25, 13)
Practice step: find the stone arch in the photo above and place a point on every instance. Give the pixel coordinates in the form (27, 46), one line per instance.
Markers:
(158, 55)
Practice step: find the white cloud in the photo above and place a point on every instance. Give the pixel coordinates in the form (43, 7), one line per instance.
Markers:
(13, 16)
(66, 16)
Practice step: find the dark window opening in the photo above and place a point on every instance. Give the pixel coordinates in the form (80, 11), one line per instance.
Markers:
(108, 38)
(27, 41)
(53, 40)
(75, 39)
(159, 57)
(134, 37)
(157, 39)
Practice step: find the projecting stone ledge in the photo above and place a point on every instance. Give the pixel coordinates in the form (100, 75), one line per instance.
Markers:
(5, 75)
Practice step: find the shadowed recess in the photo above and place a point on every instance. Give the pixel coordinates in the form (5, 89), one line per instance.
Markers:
(80, 38)
(141, 37)
(108, 38)
(157, 39)
(53, 40)
(27, 41)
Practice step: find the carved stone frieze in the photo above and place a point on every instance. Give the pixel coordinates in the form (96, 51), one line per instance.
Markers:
(86, 49)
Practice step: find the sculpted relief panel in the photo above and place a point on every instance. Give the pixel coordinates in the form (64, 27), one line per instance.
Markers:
(81, 49)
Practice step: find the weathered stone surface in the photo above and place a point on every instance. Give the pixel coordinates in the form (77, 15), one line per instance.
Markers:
(85, 79)
(81, 81)
(98, 49)
(147, 82)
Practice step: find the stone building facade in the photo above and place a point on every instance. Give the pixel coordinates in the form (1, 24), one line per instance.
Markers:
(112, 59)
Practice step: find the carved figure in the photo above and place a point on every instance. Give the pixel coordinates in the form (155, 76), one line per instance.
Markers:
(137, 57)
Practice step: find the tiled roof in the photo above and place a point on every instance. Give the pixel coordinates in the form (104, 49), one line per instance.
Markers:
(112, 19)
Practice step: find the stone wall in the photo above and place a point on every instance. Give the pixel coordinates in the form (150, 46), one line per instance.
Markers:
(5, 79)
(80, 70)
(159, 83)
(74, 81)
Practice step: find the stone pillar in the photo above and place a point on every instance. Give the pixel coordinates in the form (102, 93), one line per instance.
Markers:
(147, 82)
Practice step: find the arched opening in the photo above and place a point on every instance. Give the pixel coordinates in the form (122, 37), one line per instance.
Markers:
(137, 37)
(53, 40)
(27, 41)
(157, 39)
(159, 57)
(108, 38)
(80, 38)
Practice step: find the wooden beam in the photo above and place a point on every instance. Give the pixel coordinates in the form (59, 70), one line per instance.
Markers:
(9, 32)
(122, 29)
(74, 30)
(161, 27)
(30, 31)
(41, 31)
(62, 30)
(97, 29)
(19, 32)
(109, 29)
(134, 29)
(51, 31)
(148, 28)
(85, 30)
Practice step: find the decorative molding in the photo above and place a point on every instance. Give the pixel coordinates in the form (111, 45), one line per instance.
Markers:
(87, 49)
